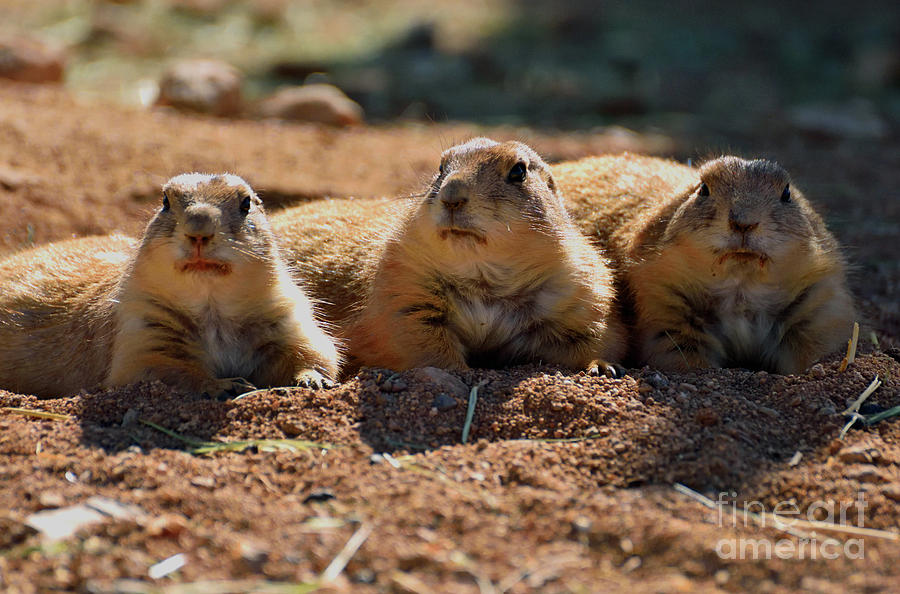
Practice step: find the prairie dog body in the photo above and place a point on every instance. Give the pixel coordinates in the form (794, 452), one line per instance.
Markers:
(204, 303)
(485, 270)
(726, 266)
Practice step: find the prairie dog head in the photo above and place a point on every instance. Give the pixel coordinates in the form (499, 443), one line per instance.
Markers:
(208, 226)
(747, 214)
(487, 193)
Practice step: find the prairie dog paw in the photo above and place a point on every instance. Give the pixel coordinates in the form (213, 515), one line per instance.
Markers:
(600, 367)
(227, 388)
(310, 378)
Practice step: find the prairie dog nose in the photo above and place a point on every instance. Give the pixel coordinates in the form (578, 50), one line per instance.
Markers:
(741, 224)
(454, 195)
(200, 224)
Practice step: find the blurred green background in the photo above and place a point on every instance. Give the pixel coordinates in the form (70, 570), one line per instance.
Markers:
(727, 66)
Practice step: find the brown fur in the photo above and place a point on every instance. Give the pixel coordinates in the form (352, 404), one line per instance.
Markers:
(738, 277)
(204, 303)
(502, 278)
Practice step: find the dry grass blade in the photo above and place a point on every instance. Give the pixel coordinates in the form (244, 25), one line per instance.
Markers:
(851, 349)
(39, 414)
(338, 564)
(265, 445)
(853, 409)
(470, 411)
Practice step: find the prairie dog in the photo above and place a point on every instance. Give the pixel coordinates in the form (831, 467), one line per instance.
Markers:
(728, 265)
(204, 302)
(485, 269)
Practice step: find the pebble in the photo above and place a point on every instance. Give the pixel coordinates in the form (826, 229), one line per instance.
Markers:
(376, 459)
(859, 454)
(631, 564)
(205, 86)
(444, 402)
(687, 387)
(319, 495)
(892, 492)
(166, 525)
(290, 427)
(251, 556)
(657, 380)
(866, 473)
(828, 409)
(205, 482)
(817, 371)
(30, 60)
(445, 381)
(320, 103)
(51, 500)
(393, 384)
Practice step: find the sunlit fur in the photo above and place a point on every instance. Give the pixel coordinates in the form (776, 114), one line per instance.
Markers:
(194, 317)
(736, 278)
(504, 278)
(57, 314)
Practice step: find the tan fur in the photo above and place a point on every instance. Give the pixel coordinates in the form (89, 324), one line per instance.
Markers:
(503, 278)
(735, 278)
(207, 314)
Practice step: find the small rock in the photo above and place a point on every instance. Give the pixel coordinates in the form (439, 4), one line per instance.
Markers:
(707, 417)
(393, 384)
(866, 473)
(582, 524)
(376, 459)
(205, 86)
(721, 577)
(320, 103)
(290, 427)
(444, 402)
(892, 492)
(817, 371)
(167, 525)
(686, 387)
(446, 382)
(657, 380)
(319, 495)
(631, 564)
(251, 556)
(619, 447)
(51, 500)
(827, 409)
(205, 482)
(130, 417)
(859, 453)
(29, 60)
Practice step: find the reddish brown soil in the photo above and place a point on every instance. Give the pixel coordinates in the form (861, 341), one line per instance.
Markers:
(510, 510)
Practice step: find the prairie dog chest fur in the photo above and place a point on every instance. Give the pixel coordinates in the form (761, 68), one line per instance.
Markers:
(747, 314)
(493, 310)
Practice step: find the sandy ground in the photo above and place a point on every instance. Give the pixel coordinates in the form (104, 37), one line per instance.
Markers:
(565, 483)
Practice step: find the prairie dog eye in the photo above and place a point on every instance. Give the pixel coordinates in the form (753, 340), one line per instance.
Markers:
(517, 173)
(245, 205)
(786, 194)
(704, 190)
(165, 202)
